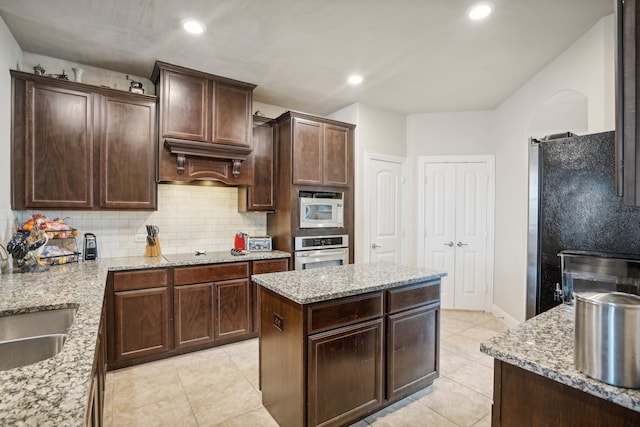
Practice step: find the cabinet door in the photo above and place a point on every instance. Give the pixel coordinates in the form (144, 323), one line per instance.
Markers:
(185, 107)
(193, 314)
(59, 147)
(142, 322)
(307, 152)
(337, 156)
(261, 195)
(231, 115)
(344, 373)
(232, 309)
(412, 350)
(127, 153)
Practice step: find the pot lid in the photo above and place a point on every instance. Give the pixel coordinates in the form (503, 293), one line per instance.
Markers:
(609, 298)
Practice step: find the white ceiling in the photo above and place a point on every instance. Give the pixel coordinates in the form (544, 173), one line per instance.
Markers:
(415, 55)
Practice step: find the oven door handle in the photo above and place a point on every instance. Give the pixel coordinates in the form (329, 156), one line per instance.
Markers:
(321, 253)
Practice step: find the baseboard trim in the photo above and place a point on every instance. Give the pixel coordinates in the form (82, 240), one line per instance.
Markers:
(510, 321)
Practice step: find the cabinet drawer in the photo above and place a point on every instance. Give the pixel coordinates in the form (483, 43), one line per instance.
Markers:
(333, 314)
(139, 279)
(270, 266)
(413, 296)
(210, 273)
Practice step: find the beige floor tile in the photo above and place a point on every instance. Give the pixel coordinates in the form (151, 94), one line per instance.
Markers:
(260, 417)
(473, 317)
(175, 412)
(462, 345)
(495, 324)
(413, 414)
(132, 390)
(215, 405)
(484, 422)
(475, 376)
(211, 375)
(479, 333)
(456, 402)
(485, 360)
(108, 400)
(453, 325)
(451, 362)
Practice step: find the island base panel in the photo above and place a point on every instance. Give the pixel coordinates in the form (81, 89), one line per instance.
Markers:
(523, 398)
(282, 358)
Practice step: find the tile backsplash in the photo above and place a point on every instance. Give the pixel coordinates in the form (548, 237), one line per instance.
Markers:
(190, 217)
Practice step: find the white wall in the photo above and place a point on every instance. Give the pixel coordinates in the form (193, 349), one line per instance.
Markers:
(587, 68)
(437, 134)
(10, 56)
(377, 131)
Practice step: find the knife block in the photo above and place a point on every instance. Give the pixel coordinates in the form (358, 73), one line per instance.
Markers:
(154, 250)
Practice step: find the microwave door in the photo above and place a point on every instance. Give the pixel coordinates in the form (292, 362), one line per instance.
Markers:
(319, 212)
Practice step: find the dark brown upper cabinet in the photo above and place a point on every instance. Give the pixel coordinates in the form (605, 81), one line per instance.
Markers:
(322, 153)
(627, 125)
(76, 146)
(205, 125)
(261, 194)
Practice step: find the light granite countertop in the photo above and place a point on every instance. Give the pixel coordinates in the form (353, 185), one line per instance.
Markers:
(54, 392)
(544, 345)
(322, 284)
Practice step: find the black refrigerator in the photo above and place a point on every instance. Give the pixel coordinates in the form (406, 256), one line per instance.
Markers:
(573, 205)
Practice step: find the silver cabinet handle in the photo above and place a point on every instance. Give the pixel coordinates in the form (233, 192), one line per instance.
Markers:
(460, 244)
(450, 244)
(375, 246)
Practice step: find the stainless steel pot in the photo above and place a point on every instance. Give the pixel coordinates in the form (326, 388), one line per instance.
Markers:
(607, 337)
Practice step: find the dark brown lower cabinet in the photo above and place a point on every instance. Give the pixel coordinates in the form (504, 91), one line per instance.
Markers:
(345, 373)
(412, 350)
(95, 403)
(233, 309)
(142, 322)
(193, 308)
(157, 313)
(523, 398)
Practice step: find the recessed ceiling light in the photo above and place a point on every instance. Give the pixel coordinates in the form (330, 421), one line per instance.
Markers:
(193, 26)
(479, 11)
(355, 79)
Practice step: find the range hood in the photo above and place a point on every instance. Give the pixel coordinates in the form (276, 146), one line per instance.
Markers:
(205, 125)
(183, 148)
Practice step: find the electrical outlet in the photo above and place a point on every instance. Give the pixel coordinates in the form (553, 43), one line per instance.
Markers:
(140, 238)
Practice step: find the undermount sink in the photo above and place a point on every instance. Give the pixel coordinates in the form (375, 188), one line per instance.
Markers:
(25, 351)
(37, 323)
(32, 337)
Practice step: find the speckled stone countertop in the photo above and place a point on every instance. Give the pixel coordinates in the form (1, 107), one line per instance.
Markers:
(54, 392)
(544, 345)
(322, 284)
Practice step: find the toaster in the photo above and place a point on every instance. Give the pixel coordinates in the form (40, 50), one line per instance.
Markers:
(259, 244)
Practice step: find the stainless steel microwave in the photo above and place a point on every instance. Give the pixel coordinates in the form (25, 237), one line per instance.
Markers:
(321, 209)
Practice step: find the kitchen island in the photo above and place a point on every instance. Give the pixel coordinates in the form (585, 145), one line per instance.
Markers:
(57, 391)
(536, 383)
(339, 343)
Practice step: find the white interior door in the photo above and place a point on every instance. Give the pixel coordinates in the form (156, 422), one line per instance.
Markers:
(471, 236)
(387, 210)
(456, 230)
(440, 225)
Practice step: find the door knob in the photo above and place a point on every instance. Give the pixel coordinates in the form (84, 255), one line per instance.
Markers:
(460, 244)
(450, 244)
(374, 246)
